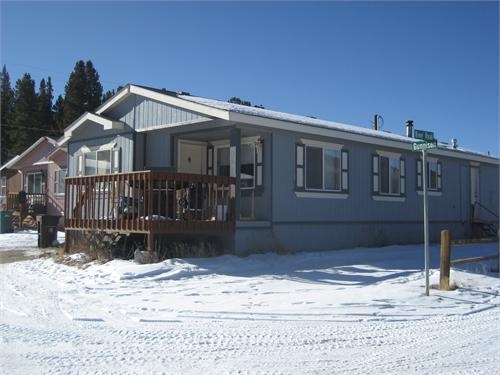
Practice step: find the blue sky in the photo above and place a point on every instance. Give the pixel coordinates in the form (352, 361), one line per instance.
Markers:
(435, 63)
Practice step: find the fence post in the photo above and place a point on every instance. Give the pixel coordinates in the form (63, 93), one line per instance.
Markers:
(444, 274)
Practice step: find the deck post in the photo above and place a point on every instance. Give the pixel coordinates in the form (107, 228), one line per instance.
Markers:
(150, 244)
(235, 167)
(444, 272)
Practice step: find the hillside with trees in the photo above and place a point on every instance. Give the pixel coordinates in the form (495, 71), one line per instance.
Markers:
(28, 113)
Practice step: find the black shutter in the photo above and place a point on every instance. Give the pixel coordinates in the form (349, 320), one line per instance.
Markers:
(420, 181)
(375, 174)
(439, 182)
(344, 167)
(402, 174)
(259, 164)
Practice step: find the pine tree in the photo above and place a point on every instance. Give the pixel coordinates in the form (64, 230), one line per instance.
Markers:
(6, 107)
(94, 87)
(107, 95)
(45, 115)
(83, 92)
(75, 94)
(58, 110)
(23, 129)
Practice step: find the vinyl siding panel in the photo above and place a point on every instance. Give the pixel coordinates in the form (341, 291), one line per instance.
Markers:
(142, 114)
(360, 220)
(158, 149)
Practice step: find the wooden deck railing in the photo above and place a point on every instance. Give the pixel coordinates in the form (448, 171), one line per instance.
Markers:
(31, 199)
(150, 202)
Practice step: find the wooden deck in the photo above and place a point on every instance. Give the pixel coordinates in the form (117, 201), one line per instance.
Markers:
(31, 199)
(150, 202)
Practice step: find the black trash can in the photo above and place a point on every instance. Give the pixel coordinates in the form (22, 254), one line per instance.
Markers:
(47, 229)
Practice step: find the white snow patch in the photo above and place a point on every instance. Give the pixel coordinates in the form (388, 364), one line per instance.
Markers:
(23, 239)
(360, 310)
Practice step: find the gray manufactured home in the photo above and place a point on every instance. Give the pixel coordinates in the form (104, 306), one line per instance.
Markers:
(161, 164)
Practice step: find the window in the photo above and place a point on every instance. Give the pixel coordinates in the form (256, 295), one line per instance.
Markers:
(98, 162)
(314, 168)
(247, 164)
(90, 164)
(3, 186)
(34, 183)
(388, 174)
(433, 175)
(59, 181)
(223, 161)
(321, 167)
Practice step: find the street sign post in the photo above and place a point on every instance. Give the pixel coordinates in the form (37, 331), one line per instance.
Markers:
(426, 221)
(423, 135)
(424, 145)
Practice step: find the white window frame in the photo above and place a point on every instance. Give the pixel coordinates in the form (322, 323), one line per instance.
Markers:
(226, 144)
(377, 176)
(58, 184)
(390, 175)
(437, 167)
(323, 171)
(27, 184)
(3, 186)
(97, 153)
(301, 185)
(325, 146)
(438, 187)
(82, 157)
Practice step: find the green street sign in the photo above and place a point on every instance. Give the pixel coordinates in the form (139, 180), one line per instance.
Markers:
(423, 135)
(424, 145)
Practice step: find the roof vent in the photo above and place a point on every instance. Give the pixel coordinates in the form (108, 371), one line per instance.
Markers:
(378, 121)
(409, 128)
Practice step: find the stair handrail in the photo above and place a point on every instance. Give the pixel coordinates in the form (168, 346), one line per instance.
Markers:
(485, 208)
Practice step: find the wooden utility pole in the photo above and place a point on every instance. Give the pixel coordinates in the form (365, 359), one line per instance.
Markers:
(444, 272)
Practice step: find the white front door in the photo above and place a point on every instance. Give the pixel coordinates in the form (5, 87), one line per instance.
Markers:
(192, 157)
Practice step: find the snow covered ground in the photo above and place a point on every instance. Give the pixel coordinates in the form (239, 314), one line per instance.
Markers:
(354, 311)
(22, 245)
